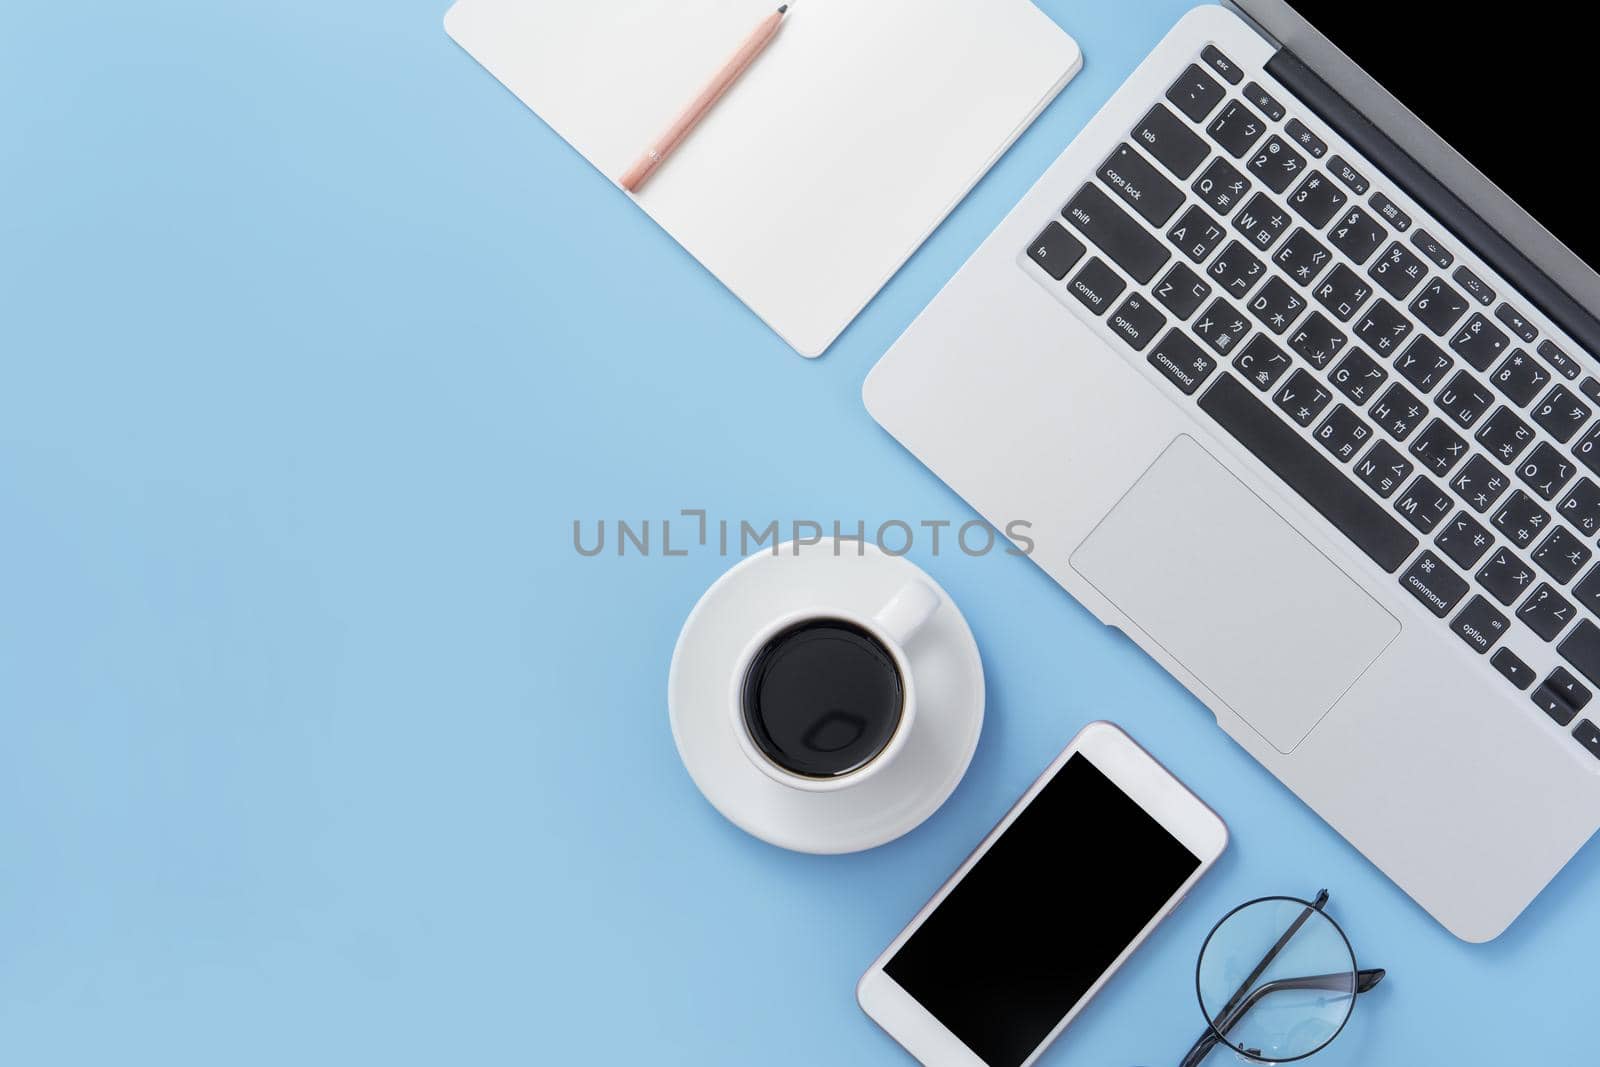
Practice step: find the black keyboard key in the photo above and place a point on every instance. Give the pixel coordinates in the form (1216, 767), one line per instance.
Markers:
(1343, 292)
(1317, 340)
(1182, 361)
(1588, 449)
(1474, 286)
(1221, 187)
(1056, 250)
(1390, 212)
(1464, 399)
(1550, 702)
(1520, 378)
(1423, 363)
(1343, 434)
(1137, 321)
(1587, 734)
(1302, 397)
(1096, 286)
(1398, 411)
(1221, 326)
(1182, 291)
(1357, 235)
(1516, 323)
(1590, 388)
(1587, 592)
(1561, 413)
(1432, 582)
(1546, 471)
(1262, 221)
(1479, 625)
(1317, 200)
(1479, 342)
(1438, 448)
(1195, 93)
(1321, 484)
(1551, 354)
(1276, 164)
(1116, 233)
(1424, 242)
(1261, 362)
(1581, 648)
(1277, 305)
(1383, 470)
(1572, 691)
(1383, 327)
(1505, 576)
(1520, 519)
(1236, 271)
(1515, 671)
(1439, 307)
(1358, 376)
(1173, 144)
(1398, 271)
(1480, 483)
(1141, 186)
(1236, 129)
(1464, 540)
(1349, 175)
(1221, 64)
(1581, 507)
(1302, 257)
(1302, 136)
(1423, 504)
(1264, 101)
(1546, 612)
(1561, 555)
(1196, 234)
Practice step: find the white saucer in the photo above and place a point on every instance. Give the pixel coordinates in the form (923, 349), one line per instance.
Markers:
(945, 665)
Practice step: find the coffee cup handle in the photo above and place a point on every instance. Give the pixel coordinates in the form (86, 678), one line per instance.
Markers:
(907, 612)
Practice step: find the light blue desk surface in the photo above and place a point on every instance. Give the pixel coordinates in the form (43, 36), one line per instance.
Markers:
(322, 745)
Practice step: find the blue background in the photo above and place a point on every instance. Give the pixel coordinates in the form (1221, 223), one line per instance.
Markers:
(321, 743)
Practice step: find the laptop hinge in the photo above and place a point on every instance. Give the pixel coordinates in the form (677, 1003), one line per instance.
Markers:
(1455, 216)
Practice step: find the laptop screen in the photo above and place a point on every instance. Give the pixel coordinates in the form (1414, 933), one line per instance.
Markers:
(1506, 92)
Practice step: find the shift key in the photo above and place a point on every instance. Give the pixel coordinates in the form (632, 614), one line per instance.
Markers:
(1119, 235)
(1141, 185)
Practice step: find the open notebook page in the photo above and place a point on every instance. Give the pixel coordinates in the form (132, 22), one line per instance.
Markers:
(828, 163)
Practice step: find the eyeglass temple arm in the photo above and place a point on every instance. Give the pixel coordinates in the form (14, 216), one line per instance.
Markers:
(1365, 980)
(1272, 954)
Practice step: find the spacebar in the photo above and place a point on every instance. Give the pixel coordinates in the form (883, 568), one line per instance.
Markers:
(1295, 460)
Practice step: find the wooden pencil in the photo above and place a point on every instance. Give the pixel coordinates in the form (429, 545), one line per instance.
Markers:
(697, 110)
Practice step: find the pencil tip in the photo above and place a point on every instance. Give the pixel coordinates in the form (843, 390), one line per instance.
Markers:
(783, 10)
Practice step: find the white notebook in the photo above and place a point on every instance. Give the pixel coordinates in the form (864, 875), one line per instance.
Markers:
(833, 158)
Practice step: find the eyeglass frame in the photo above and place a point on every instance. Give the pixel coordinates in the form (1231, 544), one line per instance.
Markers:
(1242, 1001)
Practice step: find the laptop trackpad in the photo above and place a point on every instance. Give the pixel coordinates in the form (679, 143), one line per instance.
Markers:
(1233, 593)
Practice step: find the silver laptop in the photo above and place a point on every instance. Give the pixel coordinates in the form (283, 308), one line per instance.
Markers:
(1305, 403)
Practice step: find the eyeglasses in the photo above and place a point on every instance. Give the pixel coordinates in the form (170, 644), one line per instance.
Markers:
(1277, 981)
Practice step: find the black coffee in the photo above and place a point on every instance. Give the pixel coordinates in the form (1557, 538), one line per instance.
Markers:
(822, 698)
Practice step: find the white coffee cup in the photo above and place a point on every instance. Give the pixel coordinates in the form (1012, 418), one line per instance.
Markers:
(893, 627)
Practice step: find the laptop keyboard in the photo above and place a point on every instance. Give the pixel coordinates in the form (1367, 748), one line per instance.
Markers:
(1336, 339)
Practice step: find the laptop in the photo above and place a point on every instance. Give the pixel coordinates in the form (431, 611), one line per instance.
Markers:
(1298, 390)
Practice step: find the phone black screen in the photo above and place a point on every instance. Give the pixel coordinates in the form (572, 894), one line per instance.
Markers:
(1042, 915)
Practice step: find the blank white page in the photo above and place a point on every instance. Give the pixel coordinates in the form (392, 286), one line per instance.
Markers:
(827, 164)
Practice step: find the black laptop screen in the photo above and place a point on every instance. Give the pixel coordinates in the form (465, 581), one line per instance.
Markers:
(1511, 88)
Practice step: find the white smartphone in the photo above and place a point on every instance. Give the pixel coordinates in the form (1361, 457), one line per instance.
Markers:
(1096, 853)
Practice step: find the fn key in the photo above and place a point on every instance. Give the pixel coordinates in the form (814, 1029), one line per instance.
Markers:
(1056, 250)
